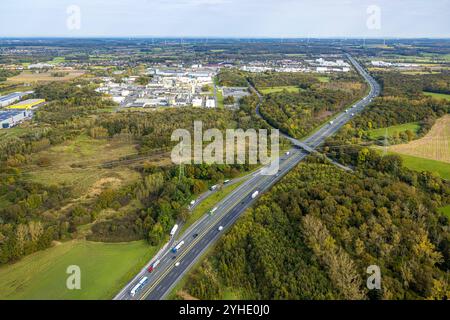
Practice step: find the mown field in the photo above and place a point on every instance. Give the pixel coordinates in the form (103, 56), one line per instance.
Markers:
(379, 133)
(105, 268)
(422, 164)
(434, 146)
(437, 95)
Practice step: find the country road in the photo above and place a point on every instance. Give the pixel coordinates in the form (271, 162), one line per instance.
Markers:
(202, 235)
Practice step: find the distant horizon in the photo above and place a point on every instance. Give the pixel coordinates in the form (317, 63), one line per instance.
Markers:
(254, 19)
(224, 37)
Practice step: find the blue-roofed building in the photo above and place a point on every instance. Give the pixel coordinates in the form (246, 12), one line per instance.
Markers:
(12, 97)
(11, 118)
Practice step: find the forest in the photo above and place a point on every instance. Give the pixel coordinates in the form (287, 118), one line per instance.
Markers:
(329, 226)
(297, 114)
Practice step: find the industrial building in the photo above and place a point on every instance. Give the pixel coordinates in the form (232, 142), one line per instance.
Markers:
(11, 118)
(27, 104)
(12, 97)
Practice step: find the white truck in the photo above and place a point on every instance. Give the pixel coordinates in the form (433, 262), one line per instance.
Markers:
(174, 230)
(139, 286)
(177, 247)
(255, 194)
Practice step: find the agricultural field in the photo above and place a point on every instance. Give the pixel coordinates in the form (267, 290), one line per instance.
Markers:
(269, 90)
(57, 60)
(105, 268)
(434, 146)
(438, 95)
(31, 77)
(380, 132)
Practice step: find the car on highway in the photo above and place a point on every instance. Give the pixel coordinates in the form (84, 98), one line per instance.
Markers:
(195, 235)
(331, 122)
(177, 264)
(220, 228)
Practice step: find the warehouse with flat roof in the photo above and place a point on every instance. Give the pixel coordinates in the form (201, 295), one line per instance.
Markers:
(11, 118)
(8, 99)
(27, 104)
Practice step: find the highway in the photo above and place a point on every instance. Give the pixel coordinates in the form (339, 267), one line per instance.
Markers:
(205, 232)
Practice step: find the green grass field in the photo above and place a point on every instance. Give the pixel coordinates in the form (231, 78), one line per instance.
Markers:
(269, 90)
(323, 79)
(437, 95)
(105, 269)
(76, 163)
(219, 98)
(445, 211)
(379, 133)
(13, 132)
(421, 164)
(57, 60)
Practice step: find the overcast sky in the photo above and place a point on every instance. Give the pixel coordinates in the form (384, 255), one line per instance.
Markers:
(226, 18)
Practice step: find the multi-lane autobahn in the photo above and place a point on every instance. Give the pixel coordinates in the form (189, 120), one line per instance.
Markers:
(200, 236)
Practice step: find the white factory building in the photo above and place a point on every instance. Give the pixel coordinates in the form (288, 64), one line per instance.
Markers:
(11, 118)
(210, 103)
